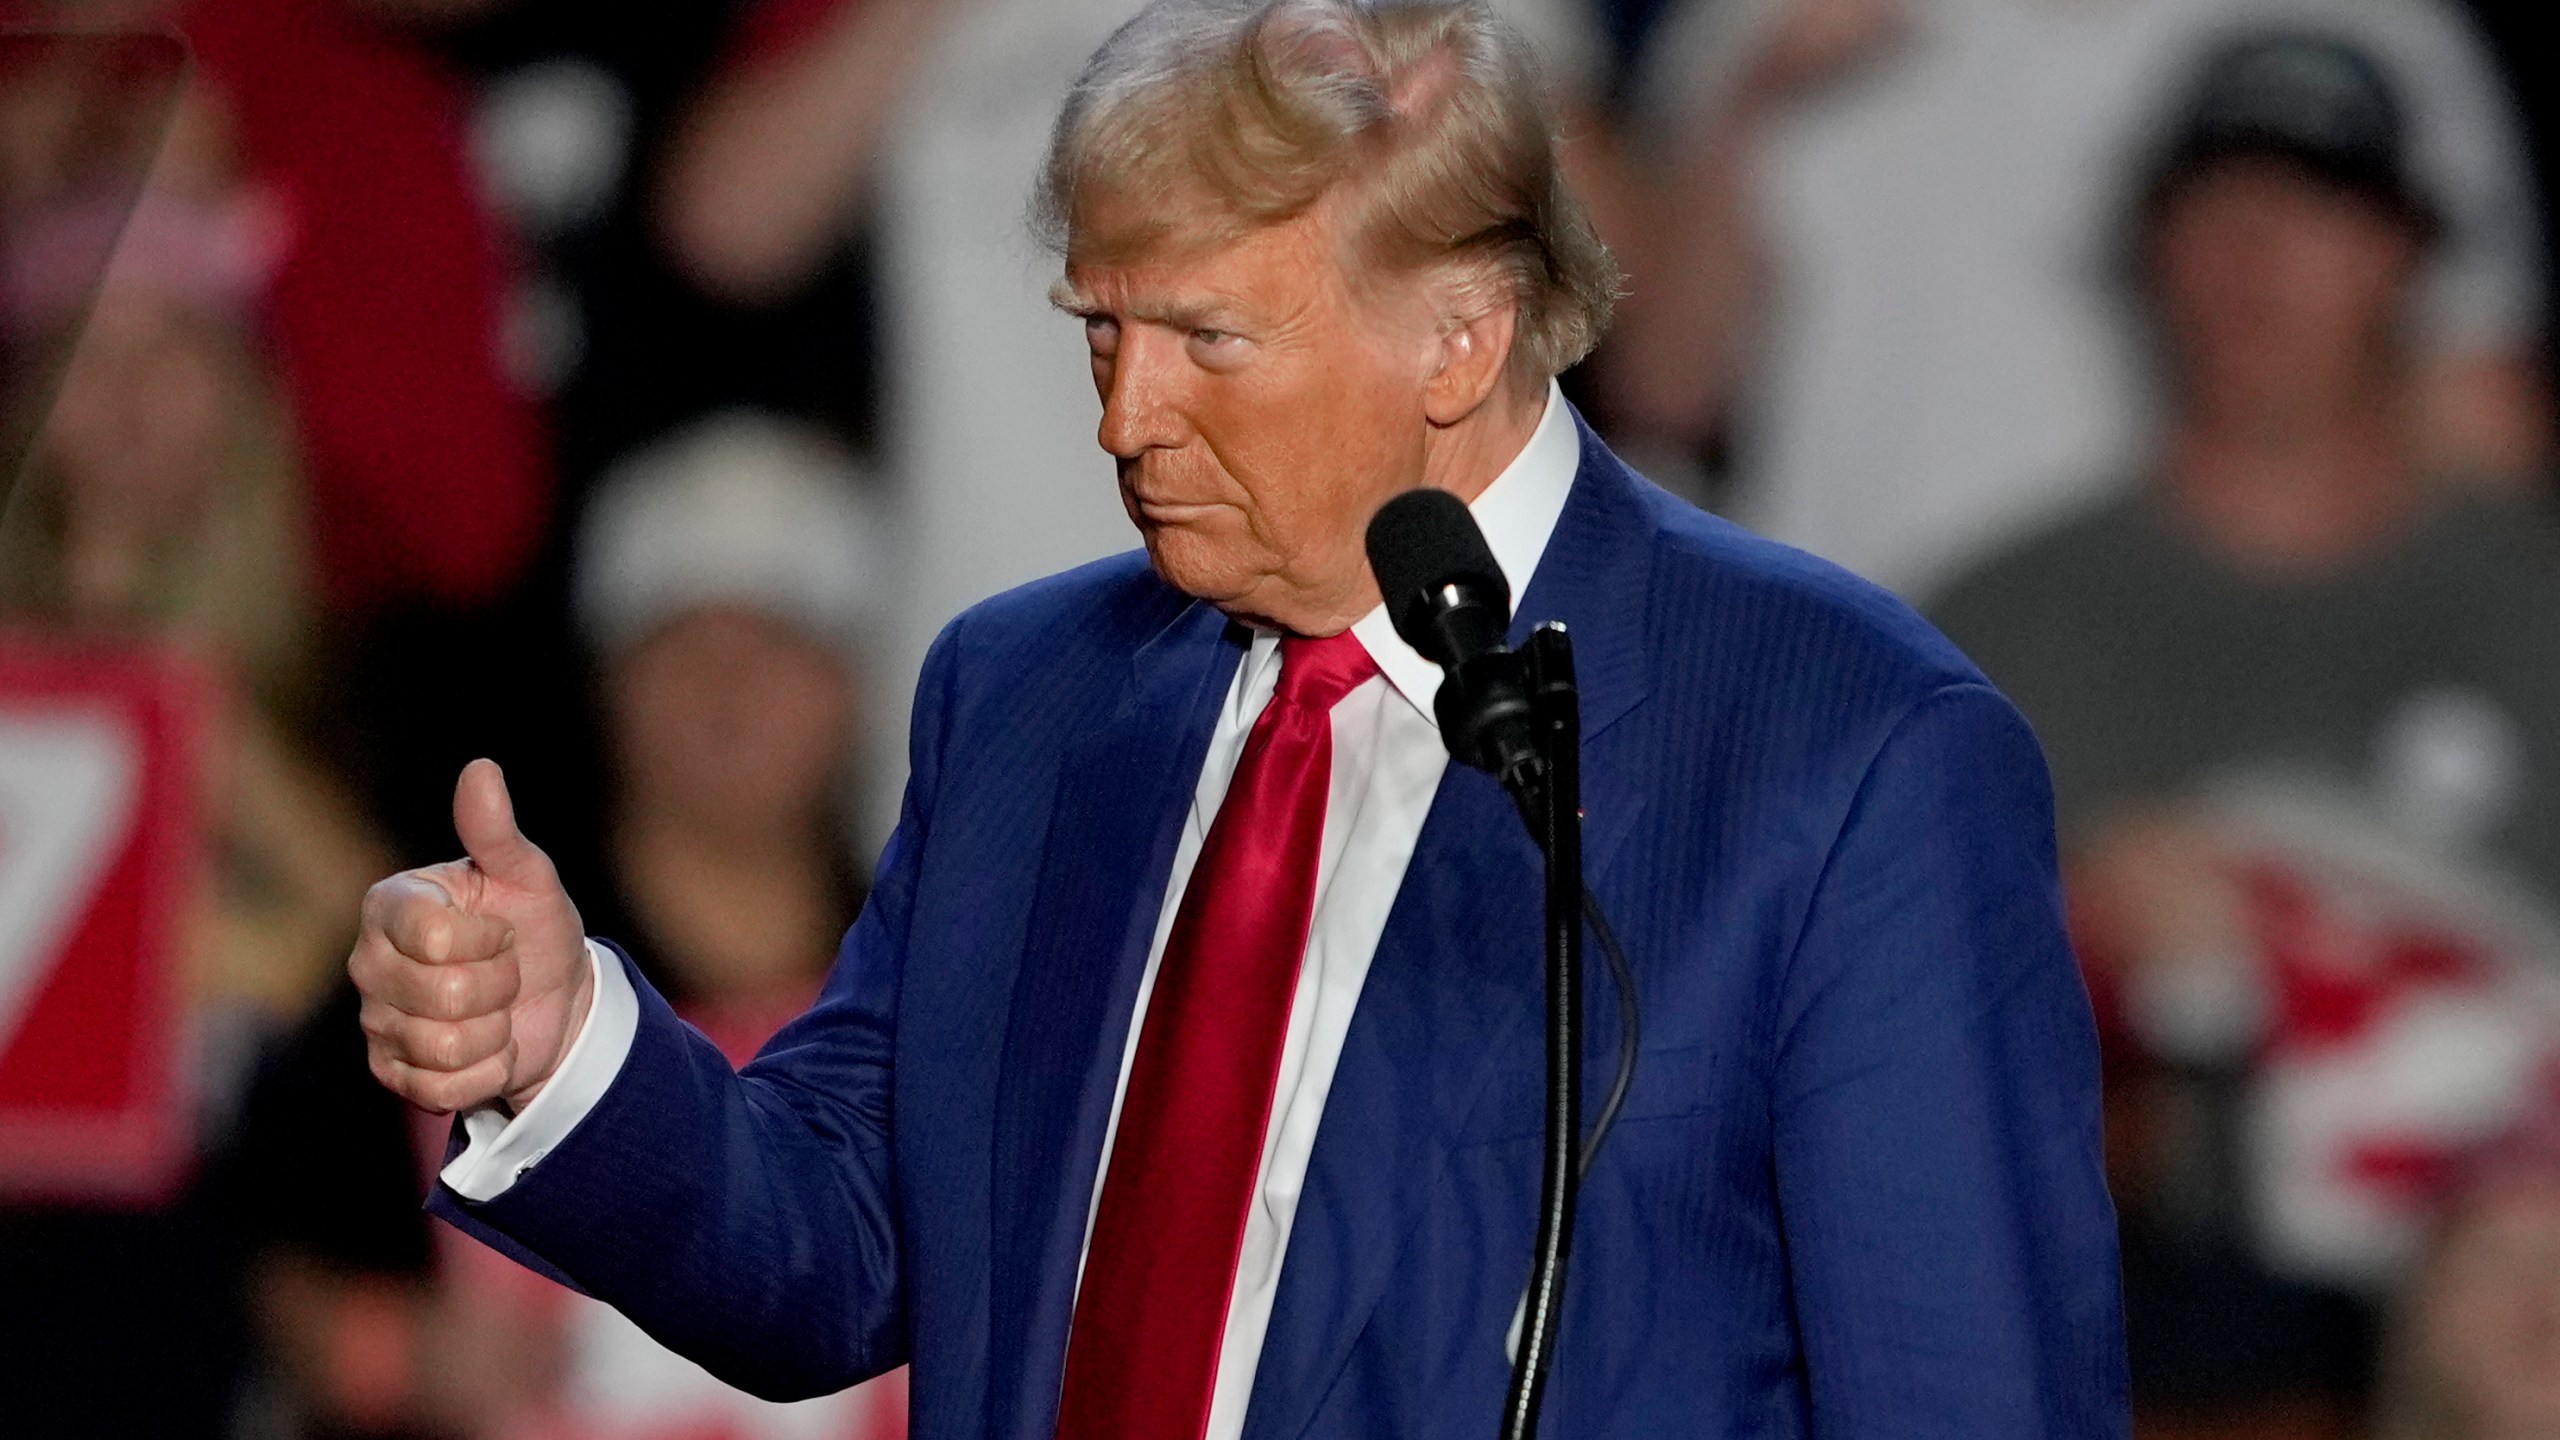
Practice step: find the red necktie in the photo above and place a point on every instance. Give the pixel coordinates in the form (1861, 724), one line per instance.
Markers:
(1142, 1355)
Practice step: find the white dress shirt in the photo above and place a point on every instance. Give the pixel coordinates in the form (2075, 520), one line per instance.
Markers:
(1387, 759)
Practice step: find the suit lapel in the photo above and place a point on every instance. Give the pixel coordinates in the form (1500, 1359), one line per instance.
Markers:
(1122, 797)
(1458, 979)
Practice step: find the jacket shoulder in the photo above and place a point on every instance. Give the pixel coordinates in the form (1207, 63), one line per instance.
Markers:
(1105, 607)
(1775, 615)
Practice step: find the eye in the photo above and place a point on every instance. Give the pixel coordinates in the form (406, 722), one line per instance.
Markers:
(1102, 333)
(1215, 349)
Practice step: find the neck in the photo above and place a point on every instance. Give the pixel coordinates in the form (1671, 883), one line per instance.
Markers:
(741, 843)
(742, 915)
(107, 560)
(1467, 457)
(2511, 1428)
(1463, 458)
(2295, 499)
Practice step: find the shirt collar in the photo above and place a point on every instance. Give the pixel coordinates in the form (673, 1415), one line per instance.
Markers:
(1517, 513)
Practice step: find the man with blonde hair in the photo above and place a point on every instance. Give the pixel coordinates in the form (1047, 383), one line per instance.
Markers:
(1181, 1078)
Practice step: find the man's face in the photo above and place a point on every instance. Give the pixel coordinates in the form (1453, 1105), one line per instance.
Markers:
(731, 721)
(2280, 293)
(1261, 409)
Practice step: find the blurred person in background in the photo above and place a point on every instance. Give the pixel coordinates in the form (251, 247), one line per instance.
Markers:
(488, 323)
(727, 578)
(2514, 29)
(162, 514)
(572, 112)
(306, 482)
(429, 480)
(479, 322)
(1676, 173)
(1870, 245)
(2477, 1352)
(937, 113)
(164, 503)
(428, 483)
(341, 1280)
(2299, 700)
(570, 115)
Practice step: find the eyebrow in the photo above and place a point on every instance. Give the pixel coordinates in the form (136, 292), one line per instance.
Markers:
(1212, 314)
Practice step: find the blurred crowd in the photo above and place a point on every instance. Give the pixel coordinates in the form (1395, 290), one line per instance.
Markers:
(2188, 361)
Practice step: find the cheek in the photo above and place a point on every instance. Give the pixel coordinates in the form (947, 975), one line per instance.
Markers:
(1327, 451)
(652, 722)
(1218, 558)
(2302, 290)
(103, 422)
(2210, 278)
(2342, 282)
(755, 740)
(678, 710)
(799, 721)
(1372, 450)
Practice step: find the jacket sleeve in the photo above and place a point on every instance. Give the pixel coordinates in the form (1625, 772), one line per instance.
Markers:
(748, 1219)
(1951, 1244)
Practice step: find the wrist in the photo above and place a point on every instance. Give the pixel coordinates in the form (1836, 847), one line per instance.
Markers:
(581, 1002)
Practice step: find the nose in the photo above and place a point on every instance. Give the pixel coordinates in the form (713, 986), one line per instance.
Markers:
(1141, 407)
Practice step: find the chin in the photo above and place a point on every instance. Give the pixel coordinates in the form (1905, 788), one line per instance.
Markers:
(1197, 565)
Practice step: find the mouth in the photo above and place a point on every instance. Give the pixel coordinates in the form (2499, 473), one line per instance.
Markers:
(1170, 512)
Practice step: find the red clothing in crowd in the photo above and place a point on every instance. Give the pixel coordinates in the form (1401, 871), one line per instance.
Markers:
(776, 28)
(428, 471)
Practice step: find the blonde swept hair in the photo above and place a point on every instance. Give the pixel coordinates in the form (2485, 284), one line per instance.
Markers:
(1425, 121)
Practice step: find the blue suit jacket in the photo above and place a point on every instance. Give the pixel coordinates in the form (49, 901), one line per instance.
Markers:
(1856, 1187)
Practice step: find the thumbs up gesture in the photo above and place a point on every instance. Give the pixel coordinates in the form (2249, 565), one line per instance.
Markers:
(474, 973)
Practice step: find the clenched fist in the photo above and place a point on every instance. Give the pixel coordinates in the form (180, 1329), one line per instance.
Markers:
(474, 973)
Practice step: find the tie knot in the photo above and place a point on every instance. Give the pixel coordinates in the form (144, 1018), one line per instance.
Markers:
(1316, 674)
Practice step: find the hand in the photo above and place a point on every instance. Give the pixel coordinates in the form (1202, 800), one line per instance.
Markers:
(1816, 41)
(474, 973)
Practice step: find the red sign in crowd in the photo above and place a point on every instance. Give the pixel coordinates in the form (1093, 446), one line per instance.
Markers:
(97, 787)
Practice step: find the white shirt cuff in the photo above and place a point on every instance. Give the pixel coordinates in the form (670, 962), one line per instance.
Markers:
(501, 1149)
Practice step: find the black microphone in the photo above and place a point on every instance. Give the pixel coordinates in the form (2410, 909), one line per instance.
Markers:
(1449, 600)
(1444, 592)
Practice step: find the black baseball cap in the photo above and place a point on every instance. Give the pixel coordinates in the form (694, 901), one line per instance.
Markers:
(2313, 100)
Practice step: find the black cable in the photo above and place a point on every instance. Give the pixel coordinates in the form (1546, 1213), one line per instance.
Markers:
(1630, 1039)
(1622, 978)
(1560, 1154)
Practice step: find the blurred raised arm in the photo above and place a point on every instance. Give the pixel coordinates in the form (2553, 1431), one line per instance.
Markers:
(773, 155)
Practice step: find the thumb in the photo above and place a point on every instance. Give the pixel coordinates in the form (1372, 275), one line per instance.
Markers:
(485, 819)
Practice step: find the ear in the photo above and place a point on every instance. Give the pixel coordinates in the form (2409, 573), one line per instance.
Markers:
(1469, 361)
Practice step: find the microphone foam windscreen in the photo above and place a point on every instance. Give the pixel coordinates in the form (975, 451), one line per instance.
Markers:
(1422, 541)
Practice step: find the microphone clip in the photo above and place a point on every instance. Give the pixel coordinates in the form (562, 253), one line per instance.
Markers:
(1505, 711)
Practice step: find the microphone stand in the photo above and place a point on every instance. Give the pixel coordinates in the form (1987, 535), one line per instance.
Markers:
(1517, 715)
(1549, 794)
